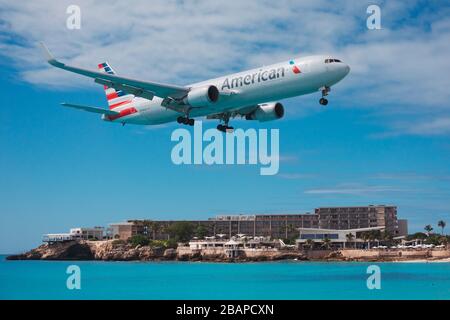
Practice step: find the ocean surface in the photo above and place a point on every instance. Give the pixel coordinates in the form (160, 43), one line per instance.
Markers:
(199, 280)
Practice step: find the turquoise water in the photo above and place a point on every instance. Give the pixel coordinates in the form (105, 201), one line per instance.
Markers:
(186, 280)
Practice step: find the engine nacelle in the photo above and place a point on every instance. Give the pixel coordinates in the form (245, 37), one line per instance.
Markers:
(202, 96)
(267, 112)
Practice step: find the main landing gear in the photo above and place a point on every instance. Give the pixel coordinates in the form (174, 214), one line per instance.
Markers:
(186, 120)
(323, 101)
(225, 128)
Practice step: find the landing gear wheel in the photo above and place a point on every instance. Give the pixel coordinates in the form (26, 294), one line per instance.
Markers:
(191, 122)
(225, 128)
(323, 101)
(180, 120)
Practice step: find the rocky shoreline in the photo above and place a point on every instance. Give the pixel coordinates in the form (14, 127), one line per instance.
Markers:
(112, 251)
(109, 251)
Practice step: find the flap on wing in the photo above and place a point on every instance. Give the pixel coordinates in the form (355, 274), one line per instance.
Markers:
(148, 88)
(90, 109)
(138, 92)
(233, 114)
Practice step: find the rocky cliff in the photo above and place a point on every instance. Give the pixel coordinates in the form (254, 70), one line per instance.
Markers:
(91, 250)
(119, 251)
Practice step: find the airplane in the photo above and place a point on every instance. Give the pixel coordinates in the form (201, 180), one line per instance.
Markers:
(251, 94)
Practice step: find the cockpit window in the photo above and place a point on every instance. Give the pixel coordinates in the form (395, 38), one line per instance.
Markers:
(332, 60)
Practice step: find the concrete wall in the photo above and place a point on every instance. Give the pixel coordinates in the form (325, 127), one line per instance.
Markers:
(440, 253)
(251, 253)
(317, 254)
(400, 254)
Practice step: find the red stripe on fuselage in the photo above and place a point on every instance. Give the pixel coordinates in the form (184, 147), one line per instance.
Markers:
(119, 104)
(123, 113)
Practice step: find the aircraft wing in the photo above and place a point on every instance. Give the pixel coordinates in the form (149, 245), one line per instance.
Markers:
(145, 89)
(91, 109)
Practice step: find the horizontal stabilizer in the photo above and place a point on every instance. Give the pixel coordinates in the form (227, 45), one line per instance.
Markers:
(91, 109)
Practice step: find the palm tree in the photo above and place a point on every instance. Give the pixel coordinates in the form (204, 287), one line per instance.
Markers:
(349, 237)
(310, 243)
(289, 229)
(387, 236)
(326, 243)
(428, 228)
(366, 236)
(442, 224)
(214, 225)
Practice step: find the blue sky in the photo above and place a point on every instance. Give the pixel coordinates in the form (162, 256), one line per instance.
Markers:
(383, 139)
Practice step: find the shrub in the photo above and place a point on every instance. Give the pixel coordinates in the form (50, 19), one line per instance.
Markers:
(171, 243)
(181, 231)
(158, 243)
(118, 242)
(139, 240)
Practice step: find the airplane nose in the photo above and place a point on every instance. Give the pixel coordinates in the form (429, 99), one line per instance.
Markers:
(346, 69)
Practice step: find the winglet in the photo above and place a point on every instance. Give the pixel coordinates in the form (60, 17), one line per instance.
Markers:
(49, 56)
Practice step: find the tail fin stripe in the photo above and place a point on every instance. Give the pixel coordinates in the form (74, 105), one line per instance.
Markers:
(119, 104)
(115, 94)
(114, 97)
(120, 99)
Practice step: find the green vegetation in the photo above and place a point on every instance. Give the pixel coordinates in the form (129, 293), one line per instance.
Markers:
(289, 241)
(442, 224)
(171, 243)
(181, 231)
(417, 235)
(201, 231)
(326, 243)
(428, 228)
(309, 244)
(139, 240)
(437, 239)
(116, 243)
(349, 237)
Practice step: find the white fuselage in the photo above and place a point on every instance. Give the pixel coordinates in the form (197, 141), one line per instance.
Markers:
(249, 88)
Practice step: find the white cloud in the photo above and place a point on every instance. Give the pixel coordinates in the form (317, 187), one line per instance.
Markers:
(401, 68)
(432, 127)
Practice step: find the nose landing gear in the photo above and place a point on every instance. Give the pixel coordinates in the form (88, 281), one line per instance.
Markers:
(323, 101)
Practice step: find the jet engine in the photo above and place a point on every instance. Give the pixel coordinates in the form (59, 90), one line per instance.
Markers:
(202, 96)
(267, 112)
